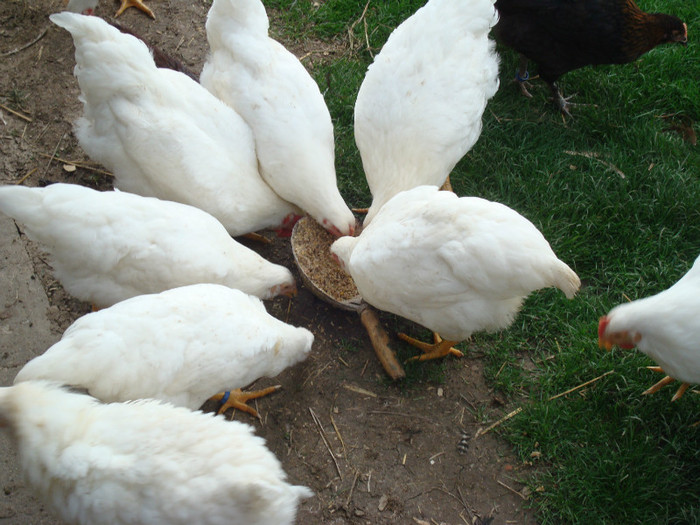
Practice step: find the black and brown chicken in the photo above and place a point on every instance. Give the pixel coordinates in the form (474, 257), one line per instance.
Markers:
(563, 35)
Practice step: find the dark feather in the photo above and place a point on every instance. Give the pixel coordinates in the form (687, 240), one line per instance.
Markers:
(563, 35)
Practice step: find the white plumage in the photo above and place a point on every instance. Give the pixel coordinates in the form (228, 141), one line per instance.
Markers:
(143, 462)
(181, 346)
(163, 135)
(109, 246)
(665, 327)
(454, 265)
(419, 107)
(277, 97)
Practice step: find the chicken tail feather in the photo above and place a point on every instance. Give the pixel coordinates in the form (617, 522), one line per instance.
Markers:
(567, 280)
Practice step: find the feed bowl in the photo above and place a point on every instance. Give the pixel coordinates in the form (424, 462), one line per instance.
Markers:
(320, 273)
(311, 245)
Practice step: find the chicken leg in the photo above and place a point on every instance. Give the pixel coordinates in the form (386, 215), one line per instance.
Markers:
(237, 399)
(439, 348)
(665, 381)
(522, 77)
(138, 4)
(560, 101)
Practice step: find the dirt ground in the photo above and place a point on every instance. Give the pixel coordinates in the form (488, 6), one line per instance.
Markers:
(380, 453)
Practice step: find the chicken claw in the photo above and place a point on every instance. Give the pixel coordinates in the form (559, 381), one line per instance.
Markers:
(440, 347)
(523, 83)
(138, 4)
(560, 101)
(253, 236)
(237, 399)
(665, 381)
(522, 77)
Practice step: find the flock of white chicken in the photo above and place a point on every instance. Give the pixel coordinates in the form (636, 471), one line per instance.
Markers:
(252, 148)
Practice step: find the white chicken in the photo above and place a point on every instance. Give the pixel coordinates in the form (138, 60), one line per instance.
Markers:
(419, 107)
(454, 265)
(181, 346)
(109, 246)
(277, 97)
(163, 135)
(143, 462)
(665, 327)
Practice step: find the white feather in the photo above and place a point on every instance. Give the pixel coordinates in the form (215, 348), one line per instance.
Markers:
(419, 107)
(277, 97)
(162, 134)
(143, 462)
(108, 246)
(454, 265)
(181, 346)
(668, 324)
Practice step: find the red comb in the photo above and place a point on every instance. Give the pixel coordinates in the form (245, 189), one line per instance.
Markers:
(603, 323)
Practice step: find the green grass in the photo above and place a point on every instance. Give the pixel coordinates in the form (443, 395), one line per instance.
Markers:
(608, 454)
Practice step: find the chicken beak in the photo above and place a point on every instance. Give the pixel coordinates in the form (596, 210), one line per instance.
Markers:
(684, 39)
(334, 230)
(290, 292)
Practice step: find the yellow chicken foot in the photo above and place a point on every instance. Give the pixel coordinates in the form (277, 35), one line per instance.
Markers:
(446, 186)
(665, 381)
(252, 236)
(237, 399)
(138, 4)
(440, 347)
(658, 386)
(681, 390)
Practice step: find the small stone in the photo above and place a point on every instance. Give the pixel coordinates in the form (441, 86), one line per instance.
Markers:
(383, 502)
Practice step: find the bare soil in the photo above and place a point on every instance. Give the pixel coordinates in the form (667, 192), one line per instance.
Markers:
(372, 451)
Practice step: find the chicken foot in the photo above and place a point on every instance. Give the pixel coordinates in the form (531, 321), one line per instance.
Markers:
(522, 77)
(253, 236)
(237, 399)
(665, 381)
(560, 101)
(138, 4)
(439, 348)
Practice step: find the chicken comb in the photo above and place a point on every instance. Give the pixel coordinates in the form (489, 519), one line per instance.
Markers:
(603, 323)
